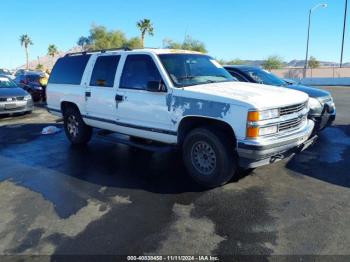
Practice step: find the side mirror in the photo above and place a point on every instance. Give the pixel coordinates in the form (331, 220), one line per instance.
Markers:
(156, 86)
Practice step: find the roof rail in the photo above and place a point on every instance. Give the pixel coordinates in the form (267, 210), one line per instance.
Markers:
(98, 51)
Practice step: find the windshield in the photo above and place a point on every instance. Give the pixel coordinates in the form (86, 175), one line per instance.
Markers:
(6, 83)
(194, 69)
(264, 77)
(4, 72)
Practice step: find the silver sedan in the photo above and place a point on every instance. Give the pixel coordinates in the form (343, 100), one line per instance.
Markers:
(13, 99)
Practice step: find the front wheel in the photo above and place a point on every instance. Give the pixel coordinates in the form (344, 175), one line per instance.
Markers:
(76, 130)
(209, 157)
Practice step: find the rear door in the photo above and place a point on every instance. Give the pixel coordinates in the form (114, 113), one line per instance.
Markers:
(100, 89)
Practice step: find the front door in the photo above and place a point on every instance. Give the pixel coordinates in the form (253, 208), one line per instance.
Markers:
(142, 111)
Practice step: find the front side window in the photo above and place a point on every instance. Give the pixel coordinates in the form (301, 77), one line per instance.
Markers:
(194, 69)
(138, 71)
(104, 71)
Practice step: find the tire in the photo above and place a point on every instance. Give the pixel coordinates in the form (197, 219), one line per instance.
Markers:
(209, 157)
(76, 130)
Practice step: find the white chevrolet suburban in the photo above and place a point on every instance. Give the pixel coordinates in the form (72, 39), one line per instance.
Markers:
(179, 98)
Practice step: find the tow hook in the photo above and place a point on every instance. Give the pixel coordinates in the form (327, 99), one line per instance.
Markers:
(276, 157)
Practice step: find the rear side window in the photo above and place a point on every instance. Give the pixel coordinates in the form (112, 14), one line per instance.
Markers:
(104, 71)
(69, 70)
(138, 71)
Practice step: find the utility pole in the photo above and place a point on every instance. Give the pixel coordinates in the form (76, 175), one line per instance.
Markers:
(308, 34)
(307, 44)
(344, 29)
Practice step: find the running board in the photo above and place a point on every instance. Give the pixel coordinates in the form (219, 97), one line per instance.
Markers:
(116, 138)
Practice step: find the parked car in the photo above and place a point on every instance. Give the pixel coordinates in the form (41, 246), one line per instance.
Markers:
(13, 99)
(21, 72)
(182, 99)
(322, 107)
(34, 83)
(7, 73)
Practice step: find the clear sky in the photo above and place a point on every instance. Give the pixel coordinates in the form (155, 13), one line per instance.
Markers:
(249, 29)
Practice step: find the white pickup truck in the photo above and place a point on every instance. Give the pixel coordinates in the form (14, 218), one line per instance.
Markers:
(179, 98)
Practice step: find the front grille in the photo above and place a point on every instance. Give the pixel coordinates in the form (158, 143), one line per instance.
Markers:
(292, 109)
(291, 124)
(12, 109)
(13, 99)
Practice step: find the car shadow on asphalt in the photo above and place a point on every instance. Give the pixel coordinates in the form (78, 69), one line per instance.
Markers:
(162, 196)
(100, 162)
(328, 159)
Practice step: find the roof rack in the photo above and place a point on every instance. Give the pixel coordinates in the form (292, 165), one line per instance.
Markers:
(99, 51)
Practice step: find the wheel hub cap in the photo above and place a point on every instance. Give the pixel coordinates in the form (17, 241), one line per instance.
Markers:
(203, 157)
(72, 126)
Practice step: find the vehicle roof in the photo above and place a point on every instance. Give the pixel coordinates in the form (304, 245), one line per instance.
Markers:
(169, 51)
(157, 51)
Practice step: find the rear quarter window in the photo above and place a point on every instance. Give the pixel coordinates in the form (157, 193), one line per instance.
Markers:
(69, 70)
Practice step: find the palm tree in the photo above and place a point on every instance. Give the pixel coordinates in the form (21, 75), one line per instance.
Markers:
(26, 42)
(145, 27)
(84, 42)
(52, 51)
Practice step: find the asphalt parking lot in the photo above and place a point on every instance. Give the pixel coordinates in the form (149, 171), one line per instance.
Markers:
(112, 199)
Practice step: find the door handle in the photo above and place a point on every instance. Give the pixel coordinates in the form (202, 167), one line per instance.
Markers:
(119, 98)
(88, 94)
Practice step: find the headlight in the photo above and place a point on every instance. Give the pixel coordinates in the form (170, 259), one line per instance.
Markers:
(38, 88)
(28, 97)
(314, 104)
(254, 132)
(263, 131)
(254, 116)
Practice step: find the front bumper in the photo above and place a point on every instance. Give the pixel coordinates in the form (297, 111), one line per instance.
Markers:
(16, 107)
(326, 119)
(255, 153)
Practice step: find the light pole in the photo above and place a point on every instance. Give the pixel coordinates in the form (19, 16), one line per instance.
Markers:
(344, 29)
(308, 34)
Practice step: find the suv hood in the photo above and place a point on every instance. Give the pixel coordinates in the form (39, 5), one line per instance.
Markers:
(312, 92)
(11, 92)
(249, 94)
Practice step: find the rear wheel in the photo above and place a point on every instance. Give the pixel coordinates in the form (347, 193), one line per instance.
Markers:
(76, 130)
(209, 157)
